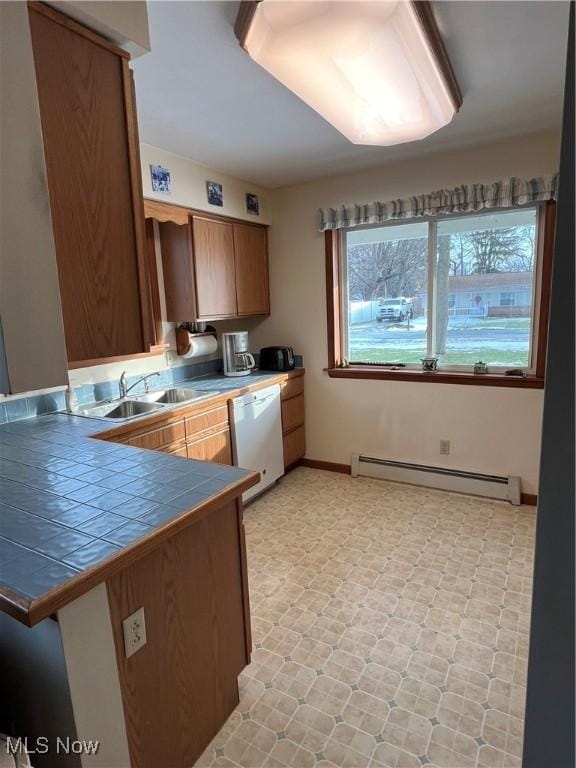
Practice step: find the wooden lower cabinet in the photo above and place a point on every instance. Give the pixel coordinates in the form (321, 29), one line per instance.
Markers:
(179, 689)
(292, 413)
(159, 438)
(211, 418)
(293, 433)
(291, 387)
(216, 447)
(294, 446)
(180, 449)
(204, 434)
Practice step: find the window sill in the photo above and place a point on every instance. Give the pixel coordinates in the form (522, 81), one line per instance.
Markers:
(436, 377)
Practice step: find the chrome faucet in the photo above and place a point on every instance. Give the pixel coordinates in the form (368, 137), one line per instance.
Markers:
(123, 389)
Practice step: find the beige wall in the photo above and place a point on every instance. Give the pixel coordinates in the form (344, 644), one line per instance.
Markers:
(189, 186)
(491, 430)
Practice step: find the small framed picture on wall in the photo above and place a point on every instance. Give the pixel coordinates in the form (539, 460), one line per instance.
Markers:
(161, 181)
(252, 204)
(214, 192)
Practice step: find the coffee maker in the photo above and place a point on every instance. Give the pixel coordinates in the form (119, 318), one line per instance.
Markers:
(237, 359)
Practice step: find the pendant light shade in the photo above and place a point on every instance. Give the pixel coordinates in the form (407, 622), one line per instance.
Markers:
(377, 71)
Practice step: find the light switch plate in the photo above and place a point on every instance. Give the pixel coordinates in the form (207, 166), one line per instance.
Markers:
(445, 447)
(134, 628)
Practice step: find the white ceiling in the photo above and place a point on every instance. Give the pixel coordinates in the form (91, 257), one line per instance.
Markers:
(199, 95)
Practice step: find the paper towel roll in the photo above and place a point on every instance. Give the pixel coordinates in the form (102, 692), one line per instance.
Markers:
(200, 345)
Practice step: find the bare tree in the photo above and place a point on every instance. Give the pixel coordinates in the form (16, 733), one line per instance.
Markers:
(504, 249)
(458, 256)
(389, 268)
(523, 259)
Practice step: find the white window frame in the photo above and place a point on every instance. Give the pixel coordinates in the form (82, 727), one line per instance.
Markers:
(432, 292)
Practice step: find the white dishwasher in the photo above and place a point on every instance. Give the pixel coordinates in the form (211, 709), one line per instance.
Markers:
(257, 436)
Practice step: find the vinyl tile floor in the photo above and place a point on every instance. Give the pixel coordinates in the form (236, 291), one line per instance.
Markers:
(390, 628)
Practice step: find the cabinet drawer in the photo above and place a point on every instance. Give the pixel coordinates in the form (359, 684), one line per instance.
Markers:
(294, 446)
(160, 437)
(292, 387)
(216, 447)
(292, 413)
(210, 419)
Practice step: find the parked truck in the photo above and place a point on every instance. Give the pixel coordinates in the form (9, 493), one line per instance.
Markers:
(395, 310)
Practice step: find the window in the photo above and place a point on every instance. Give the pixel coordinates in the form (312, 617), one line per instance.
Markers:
(463, 288)
(507, 299)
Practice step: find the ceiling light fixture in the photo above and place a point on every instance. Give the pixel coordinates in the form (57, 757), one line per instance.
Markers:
(377, 71)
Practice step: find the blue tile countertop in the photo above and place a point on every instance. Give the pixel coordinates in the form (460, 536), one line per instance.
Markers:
(70, 504)
(221, 383)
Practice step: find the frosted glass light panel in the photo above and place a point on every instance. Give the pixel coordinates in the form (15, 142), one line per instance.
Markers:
(366, 67)
(387, 270)
(485, 289)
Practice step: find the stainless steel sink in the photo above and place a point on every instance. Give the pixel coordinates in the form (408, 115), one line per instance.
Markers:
(127, 409)
(139, 405)
(174, 396)
(119, 410)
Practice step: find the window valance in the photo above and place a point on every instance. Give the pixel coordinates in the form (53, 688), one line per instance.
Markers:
(467, 198)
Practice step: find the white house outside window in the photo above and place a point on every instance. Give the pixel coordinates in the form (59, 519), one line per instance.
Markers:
(461, 288)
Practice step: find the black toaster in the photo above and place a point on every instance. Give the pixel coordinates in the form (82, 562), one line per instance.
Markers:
(277, 359)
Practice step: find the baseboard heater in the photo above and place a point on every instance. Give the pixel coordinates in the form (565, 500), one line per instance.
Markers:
(473, 483)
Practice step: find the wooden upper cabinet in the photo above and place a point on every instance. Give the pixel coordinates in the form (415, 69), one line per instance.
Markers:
(90, 136)
(214, 269)
(178, 269)
(251, 266)
(213, 243)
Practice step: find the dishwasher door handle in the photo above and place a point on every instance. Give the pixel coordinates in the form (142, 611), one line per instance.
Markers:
(252, 401)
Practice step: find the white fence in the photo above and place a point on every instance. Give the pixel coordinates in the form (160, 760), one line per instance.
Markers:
(480, 311)
(363, 311)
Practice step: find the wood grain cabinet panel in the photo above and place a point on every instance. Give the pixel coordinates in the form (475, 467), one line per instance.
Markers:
(178, 271)
(292, 387)
(177, 449)
(92, 162)
(207, 420)
(292, 413)
(165, 212)
(193, 590)
(293, 416)
(251, 267)
(158, 438)
(216, 447)
(214, 268)
(294, 446)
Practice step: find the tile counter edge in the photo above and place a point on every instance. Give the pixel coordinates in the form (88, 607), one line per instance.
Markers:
(30, 611)
(30, 608)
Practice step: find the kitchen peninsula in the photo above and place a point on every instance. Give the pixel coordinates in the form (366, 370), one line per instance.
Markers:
(100, 520)
(178, 553)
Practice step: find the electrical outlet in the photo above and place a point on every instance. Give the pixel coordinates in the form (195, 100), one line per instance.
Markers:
(444, 447)
(171, 356)
(134, 628)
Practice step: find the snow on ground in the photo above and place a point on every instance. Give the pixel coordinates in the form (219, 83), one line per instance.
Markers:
(497, 341)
